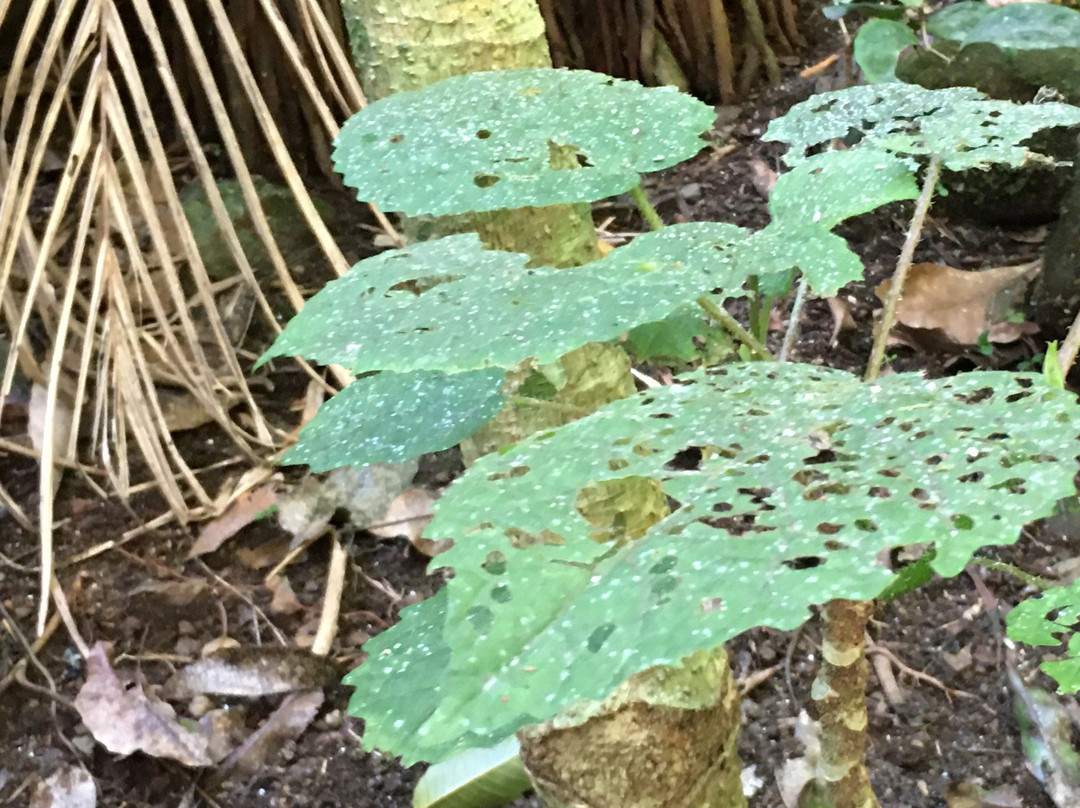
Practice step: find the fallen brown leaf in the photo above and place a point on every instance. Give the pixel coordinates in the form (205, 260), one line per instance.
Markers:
(124, 720)
(284, 600)
(762, 177)
(252, 672)
(67, 787)
(841, 314)
(241, 513)
(407, 515)
(288, 721)
(963, 305)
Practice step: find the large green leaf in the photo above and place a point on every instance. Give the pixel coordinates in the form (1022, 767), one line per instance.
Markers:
(878, 46)
(1051, 619)
(958, 124)
(510, 138)
(956, 21)
(833, 186)
(1028, 27)
(451, 305)
(393, 417)
(475, 778)
(823, 257)
(787, 482)
(811, 199)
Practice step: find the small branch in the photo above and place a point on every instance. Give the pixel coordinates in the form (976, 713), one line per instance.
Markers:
(734, 327)
(1068, 350)
(888, 316)
(793, 323)
(641, 199)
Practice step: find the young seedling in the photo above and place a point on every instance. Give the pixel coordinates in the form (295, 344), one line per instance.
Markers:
(675, 519)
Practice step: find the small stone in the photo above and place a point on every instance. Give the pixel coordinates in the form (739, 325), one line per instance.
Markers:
(84, 743)
(690, 191)
(187, 647)
(200, 705)
(185, 628)
(333, 719)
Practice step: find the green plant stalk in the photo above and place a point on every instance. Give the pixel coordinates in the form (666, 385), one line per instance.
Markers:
(648, 212)
(903, 264)
(735, 328)
(1028, 579)
(754, 287)
(839, 691)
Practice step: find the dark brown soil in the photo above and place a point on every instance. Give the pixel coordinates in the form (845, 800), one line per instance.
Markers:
(933, 738)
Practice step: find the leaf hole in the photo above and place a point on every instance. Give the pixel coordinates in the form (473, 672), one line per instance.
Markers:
(829, 528)
(483, 134)
(494, 563)
(974, 397)
(485, 180)
(804, 562)
(710, 605)
(688, 459)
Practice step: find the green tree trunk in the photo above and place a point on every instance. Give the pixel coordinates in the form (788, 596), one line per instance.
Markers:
(408, 44)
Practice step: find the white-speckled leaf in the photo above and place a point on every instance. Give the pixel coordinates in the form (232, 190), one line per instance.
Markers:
(1051, 619)
(833, 186)
(451, 305)
(789, 481)
(502, 139)
(393, 417)
(823, 257)
(959, 124)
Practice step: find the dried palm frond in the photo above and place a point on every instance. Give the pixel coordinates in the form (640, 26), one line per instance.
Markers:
(104, 296)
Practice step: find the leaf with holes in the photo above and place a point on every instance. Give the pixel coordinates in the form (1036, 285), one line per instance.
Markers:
(958, 124)
(393, 417)
(453, 306)
(510, 138)
(1051, 619)
(772, 487)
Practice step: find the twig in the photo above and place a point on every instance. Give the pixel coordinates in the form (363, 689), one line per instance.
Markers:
(793, 323)
(874, 648)
(1068, 350)
(903, 264)
(335, 585)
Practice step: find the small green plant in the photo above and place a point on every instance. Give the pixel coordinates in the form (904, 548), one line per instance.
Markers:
(1017, 47)
(672, 520)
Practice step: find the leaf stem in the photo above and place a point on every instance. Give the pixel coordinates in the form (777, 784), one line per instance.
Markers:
(641, 199)
(1025, 577)
(735, 328)
(903, 264)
